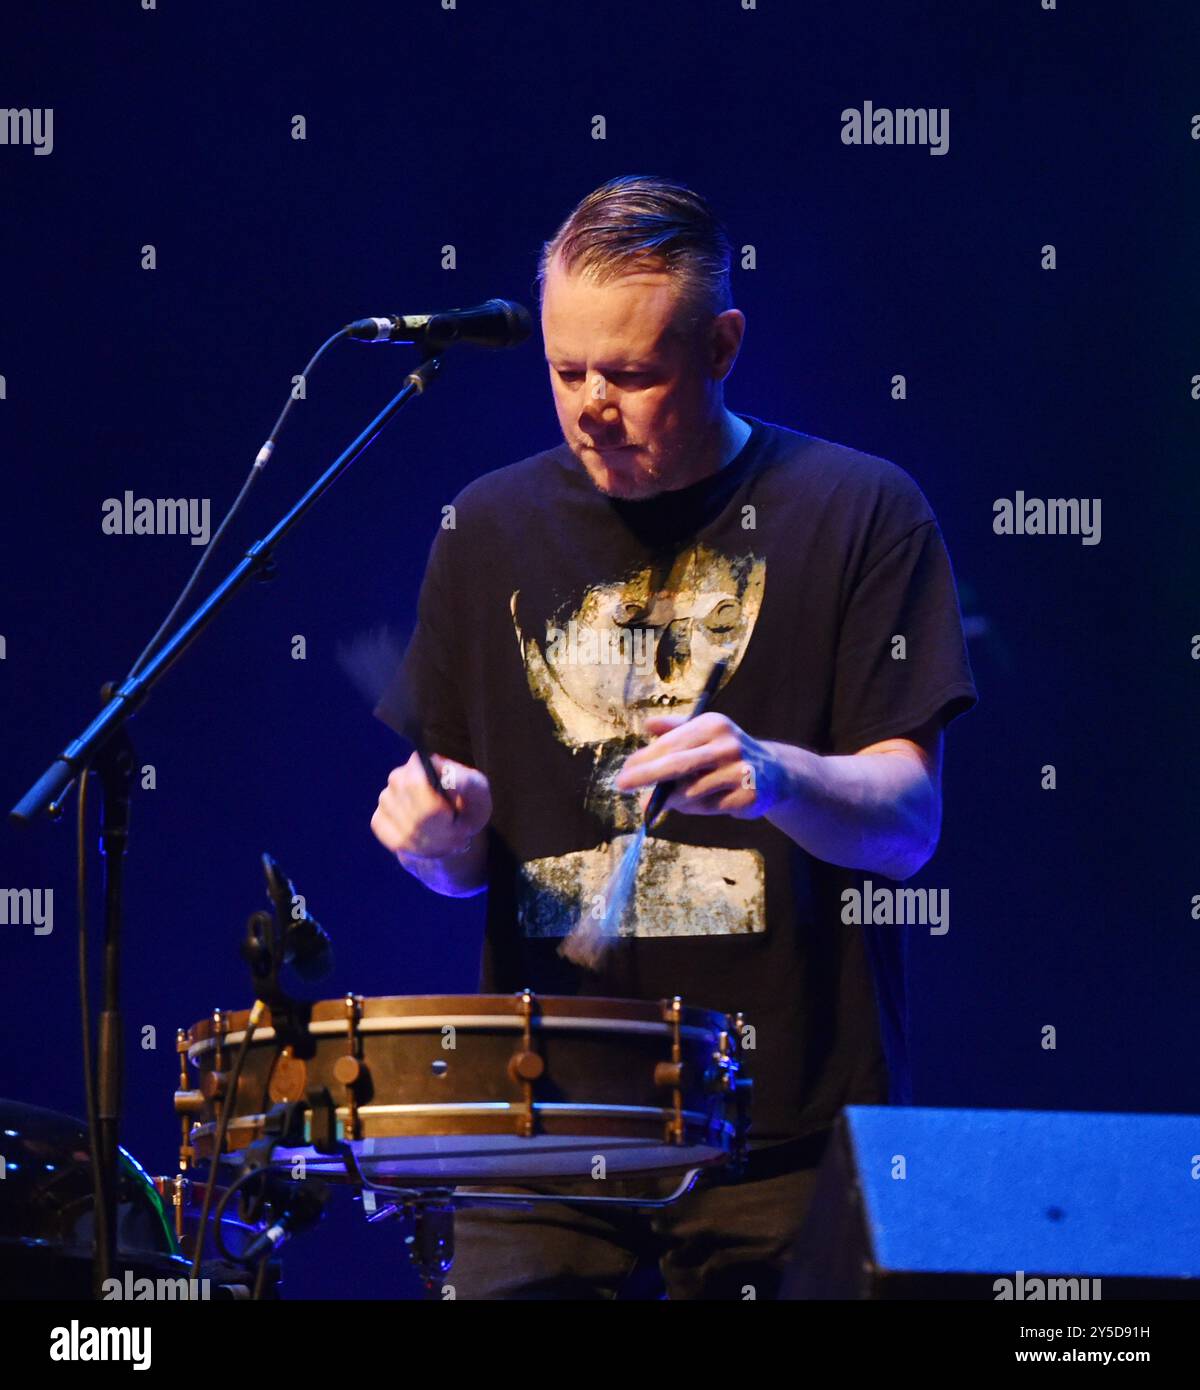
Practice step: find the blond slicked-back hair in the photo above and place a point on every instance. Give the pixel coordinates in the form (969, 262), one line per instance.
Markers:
(640, 221)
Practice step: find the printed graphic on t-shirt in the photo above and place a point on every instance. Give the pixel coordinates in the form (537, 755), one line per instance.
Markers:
(630, 648)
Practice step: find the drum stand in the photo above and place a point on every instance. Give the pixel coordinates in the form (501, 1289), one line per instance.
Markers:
(428, 1213)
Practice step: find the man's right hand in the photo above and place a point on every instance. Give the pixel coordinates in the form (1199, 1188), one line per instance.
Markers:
(413, 819)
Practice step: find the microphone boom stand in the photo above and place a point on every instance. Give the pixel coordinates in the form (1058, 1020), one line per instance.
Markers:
(105, 748)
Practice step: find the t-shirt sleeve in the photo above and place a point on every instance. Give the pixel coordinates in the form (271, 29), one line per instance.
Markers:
(885, 688)
(424, 699)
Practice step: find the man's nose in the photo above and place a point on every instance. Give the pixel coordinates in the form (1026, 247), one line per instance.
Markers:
(598, 403)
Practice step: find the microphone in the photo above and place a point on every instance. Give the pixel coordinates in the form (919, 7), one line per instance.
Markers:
(497, 323)
(309, 950)
(303, 1208)
(307, 946)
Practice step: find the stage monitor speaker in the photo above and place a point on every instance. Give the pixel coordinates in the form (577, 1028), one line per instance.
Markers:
(923, 1203)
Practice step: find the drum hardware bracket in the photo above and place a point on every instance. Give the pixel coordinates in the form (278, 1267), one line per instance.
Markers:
(428, 1215)
(282, 1125)
(322, 1122)
(428, 1219)
(724, 1077)
(472, 1198)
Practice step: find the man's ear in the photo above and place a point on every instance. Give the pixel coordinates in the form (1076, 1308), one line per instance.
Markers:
(728, 330)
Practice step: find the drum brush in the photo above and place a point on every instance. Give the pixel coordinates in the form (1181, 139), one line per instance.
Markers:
(372, 660)
(588, 940)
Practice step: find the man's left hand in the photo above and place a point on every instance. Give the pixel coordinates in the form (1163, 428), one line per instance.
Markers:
(717, 768)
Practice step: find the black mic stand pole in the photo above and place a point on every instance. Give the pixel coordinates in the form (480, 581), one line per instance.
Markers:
(104, 746)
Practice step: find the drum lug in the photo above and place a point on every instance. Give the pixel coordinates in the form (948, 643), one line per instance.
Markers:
(213, 1083)
(220, 1026)
(739, 1090)
(722, 1075)
(668, 1074)
(188, 1101)
(526, 1066)
(213, 1086)
(349, 1069)
(671, 1073)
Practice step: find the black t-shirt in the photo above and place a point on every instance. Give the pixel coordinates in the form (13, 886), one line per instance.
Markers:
(552, 618)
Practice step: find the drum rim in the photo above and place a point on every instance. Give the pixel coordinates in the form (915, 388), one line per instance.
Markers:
(480, 1011)
(394, 1024)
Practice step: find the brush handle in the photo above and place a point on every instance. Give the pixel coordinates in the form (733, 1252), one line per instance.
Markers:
(434, 780)
(663, 790)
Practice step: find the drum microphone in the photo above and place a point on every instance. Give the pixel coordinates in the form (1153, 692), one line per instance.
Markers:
(303, 1208)
(309, 950)
(307, 947)
(497, 323)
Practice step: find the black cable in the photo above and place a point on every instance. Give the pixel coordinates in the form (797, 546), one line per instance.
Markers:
(260, 462)
(219, 1137)
(219, 1215)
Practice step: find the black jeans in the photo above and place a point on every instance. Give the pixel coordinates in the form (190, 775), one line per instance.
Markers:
(727, 1239)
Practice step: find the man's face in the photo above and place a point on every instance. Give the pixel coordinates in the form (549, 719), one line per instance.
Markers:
(632, 391)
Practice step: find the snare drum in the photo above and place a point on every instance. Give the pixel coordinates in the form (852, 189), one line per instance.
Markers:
(444, 1089)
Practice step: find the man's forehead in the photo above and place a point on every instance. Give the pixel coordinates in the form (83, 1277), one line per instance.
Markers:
(630, 314)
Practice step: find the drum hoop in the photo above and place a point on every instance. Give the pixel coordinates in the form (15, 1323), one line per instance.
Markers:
(484, 1010)
(499, 1107)
(416, 1023)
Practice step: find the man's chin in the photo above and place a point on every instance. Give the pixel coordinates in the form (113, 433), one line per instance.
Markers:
(623, 481)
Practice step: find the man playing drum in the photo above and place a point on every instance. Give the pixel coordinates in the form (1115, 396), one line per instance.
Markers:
(567, 622)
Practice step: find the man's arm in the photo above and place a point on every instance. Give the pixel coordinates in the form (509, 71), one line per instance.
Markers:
(878, 809)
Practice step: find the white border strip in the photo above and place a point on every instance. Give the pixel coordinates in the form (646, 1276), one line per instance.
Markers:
(417, 1023)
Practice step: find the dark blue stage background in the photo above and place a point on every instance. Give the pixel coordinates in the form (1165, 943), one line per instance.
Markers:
(473, 128)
